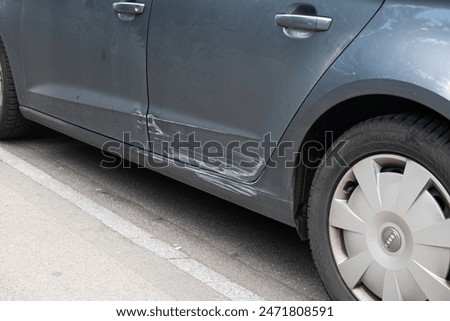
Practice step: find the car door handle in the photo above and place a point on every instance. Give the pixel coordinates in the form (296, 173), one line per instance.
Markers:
(304, 22)
(128, 8)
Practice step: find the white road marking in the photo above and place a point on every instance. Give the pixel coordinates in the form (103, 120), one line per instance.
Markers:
(132, 232)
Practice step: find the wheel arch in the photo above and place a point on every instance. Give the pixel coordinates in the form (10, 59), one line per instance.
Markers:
(327, 117)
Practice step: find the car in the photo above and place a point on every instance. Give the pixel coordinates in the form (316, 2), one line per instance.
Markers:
(329, 116)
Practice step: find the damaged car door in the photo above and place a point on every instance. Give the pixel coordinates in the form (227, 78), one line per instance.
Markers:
(227, 77)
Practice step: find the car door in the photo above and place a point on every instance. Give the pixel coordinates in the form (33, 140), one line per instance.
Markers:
(226, 74)
(85, 63)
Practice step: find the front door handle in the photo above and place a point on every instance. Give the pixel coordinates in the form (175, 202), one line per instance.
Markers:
(128, 10)
(303, 22)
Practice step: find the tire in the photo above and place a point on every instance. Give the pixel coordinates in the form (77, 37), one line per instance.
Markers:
(379, 226)
(12, 123)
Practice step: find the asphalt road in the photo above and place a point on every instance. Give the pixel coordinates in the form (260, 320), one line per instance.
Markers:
(55, 249)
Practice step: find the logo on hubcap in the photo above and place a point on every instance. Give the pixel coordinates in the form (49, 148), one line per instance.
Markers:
(391, 239)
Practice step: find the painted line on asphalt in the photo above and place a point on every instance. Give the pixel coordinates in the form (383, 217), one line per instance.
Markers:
(204, 274)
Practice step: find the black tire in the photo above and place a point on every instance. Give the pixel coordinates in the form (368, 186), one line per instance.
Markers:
(12, 123)
(415, 139)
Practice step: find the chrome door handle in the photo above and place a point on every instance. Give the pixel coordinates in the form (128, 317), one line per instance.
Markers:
(128, 7)
(303, 22)
(127, 10)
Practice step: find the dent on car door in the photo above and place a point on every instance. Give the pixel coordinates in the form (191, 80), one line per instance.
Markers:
(225, 72)
(86, 65)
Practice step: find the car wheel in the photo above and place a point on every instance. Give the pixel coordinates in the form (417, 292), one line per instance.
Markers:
(379, 219)
(12, 123)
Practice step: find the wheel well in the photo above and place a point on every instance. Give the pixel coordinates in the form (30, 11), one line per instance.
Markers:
(337, 120)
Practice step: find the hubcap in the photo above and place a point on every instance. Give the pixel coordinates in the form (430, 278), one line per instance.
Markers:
(389, 230)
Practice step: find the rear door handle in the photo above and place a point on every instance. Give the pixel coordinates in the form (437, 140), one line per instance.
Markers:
(128, 10)
(303, 22)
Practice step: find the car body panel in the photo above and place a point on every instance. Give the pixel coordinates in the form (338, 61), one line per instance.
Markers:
(225, 72)
(84, 65)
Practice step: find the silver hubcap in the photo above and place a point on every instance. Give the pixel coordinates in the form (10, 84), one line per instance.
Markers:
(390, 231)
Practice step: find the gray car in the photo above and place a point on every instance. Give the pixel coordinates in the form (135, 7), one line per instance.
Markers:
(329, 116)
